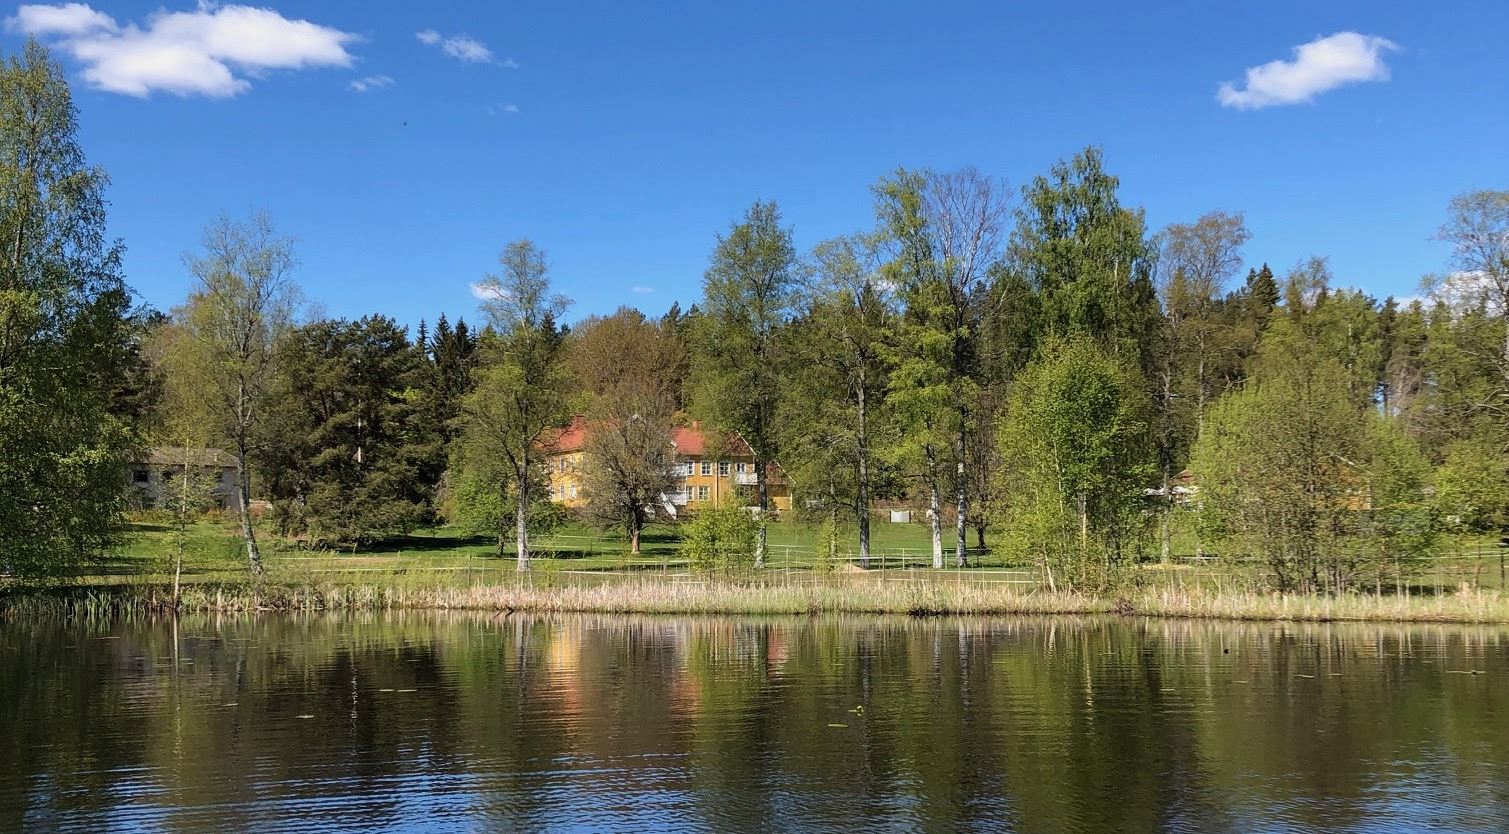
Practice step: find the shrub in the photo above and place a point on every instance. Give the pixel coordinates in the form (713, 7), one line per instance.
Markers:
(721, 538)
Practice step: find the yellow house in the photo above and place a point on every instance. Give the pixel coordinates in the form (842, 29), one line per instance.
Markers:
(706, 471)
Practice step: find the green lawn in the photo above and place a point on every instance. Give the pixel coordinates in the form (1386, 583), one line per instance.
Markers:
(213, 549)
(213, 552)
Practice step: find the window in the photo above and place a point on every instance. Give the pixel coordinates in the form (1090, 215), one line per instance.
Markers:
(573, 490)
(723, 469)
(141, 476)
(741, 467)
(686, 469)
(220, 477)
(707, 467)
(703, 493)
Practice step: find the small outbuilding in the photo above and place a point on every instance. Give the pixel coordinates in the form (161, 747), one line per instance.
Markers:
(152, 475)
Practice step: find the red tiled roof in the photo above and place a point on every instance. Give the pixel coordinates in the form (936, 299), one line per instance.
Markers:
(691, 440)
(688, 440)
(572, 438)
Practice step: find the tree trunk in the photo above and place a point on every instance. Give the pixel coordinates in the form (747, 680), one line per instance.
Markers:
(521, 521)
(980, 536)
(961, 503)
(634, 529)
(243, 477)
(934, 511)
(1084, 526)
(1166, 523)
(763, 497)
(862, 502)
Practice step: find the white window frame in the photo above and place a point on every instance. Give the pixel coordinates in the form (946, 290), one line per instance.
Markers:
(723, 469)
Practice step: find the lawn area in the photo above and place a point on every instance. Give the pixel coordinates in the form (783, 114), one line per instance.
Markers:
(213, 551)
(445, 554)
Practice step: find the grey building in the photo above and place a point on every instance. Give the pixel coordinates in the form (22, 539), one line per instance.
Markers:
(154, 474)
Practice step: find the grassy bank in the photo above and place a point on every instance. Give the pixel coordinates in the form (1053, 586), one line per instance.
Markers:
(838, 595)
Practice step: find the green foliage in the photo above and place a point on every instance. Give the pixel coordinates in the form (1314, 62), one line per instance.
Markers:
(67, 341)
(1297, 469)
(624, 366)
(520, 389)
(1087, 257)
(347, 437)
(1076, 462)
(1401, 527)
(721, 539)
(478, 507)
(832, 413)
(748, 292)
(1472, 486)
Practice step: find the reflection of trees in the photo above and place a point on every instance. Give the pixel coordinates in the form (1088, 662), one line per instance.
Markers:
(525, 722)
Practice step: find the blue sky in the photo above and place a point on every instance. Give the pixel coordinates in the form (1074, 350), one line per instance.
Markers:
(623, 136)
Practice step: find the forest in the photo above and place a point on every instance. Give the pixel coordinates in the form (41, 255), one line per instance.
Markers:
(1033, 368)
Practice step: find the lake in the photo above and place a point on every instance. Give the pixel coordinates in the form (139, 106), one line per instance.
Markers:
(425, 721)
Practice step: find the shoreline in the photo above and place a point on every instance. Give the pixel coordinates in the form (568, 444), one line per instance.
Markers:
(724, 598)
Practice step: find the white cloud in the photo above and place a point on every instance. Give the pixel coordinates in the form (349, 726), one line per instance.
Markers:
(641, 290)
(485, 291)
(210, 51)
(1318, 66)
(62, 19)
(371, 82)
(463, 48)
(502, 109)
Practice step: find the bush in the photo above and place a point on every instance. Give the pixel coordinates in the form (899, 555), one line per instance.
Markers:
(721, 538)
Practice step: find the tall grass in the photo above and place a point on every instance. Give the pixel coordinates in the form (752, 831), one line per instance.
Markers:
(840, 594)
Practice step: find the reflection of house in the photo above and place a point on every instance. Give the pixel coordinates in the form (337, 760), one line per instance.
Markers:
(706, 470)
(154, 474)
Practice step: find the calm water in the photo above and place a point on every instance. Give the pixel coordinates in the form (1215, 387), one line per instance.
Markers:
(431, 722)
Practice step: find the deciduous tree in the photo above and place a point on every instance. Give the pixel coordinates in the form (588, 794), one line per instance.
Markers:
(748, 292)
(625, 365)
(521, 388)
(230, 330)
(67, 338)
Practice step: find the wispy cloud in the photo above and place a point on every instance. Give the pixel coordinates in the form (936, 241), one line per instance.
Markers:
(211, 51)
(484, 291)
(1318, 66)
(641, 290)
(463, 48)
(371, 82)
(502, 109)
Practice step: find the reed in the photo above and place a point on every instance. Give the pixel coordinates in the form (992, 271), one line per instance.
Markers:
(835, 595)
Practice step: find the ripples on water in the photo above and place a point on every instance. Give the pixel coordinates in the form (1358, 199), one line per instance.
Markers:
(448, 722)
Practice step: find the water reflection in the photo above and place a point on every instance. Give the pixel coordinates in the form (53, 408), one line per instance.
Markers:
(434, 721)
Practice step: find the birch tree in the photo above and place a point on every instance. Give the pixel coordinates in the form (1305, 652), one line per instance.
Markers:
(1477, 227)
(521, 386)
(230, 329)
(833, 411)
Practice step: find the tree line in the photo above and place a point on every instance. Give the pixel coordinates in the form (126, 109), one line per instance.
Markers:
(1032, 365)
